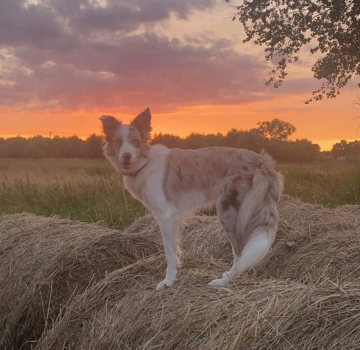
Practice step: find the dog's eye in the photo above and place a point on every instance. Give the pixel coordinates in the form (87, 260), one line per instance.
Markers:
(136, 142)
(117, 142)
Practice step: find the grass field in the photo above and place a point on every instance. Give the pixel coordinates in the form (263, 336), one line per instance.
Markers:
(86, 190)
(90, 190)
(73, 285)
(329, 184)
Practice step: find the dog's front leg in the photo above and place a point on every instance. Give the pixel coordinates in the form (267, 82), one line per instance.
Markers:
(169, 227)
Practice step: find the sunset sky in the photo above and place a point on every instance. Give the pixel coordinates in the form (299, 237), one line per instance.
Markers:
(64, 63)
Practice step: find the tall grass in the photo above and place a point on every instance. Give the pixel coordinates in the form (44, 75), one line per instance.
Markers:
(82, 190)
(327, 184)
(90, 190)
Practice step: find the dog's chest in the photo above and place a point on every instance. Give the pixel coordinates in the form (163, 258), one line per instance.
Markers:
(134, 186)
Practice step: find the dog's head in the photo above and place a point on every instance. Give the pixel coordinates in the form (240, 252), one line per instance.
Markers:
(126, 143)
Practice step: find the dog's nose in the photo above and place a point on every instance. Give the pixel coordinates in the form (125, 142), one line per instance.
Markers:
(127, 156)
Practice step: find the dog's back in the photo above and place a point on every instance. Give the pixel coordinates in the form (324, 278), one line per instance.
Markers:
(196, 178)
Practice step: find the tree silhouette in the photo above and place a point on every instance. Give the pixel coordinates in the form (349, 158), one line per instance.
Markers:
(276, 129)
(328, 27)
(94, 143)
(346, 149)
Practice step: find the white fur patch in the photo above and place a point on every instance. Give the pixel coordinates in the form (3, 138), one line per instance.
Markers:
(126, 146)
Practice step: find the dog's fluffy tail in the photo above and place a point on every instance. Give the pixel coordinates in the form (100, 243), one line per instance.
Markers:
(258, 213)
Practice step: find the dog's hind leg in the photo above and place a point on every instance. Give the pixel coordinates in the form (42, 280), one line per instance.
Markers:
(257, 220)
(227, 208)
(227, 211)
(169, 227)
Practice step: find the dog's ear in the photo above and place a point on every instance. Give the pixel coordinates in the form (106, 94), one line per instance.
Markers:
(110, 125)
(143, 123)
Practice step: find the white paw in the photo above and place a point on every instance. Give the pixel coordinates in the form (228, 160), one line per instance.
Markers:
(220, 282)
(164, 284)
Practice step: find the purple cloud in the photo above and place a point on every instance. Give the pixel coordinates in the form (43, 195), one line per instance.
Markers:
(137, 70)
(73, 54)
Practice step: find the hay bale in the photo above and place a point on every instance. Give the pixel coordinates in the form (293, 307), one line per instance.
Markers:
(123, 311)
(87, 286)
(315, 243)
(46, 261)
(330, 255)
(303, 221)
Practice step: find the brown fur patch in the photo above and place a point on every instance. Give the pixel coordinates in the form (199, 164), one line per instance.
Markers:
(185, 171)
(112, 146)
(231, 200)
(230, 196)
(143, 123)
(110, 125)
(206, 171)
(136, 139)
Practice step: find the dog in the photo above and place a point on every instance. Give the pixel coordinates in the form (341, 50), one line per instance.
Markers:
(174, 183)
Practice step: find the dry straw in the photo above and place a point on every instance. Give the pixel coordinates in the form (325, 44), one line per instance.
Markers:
(71, 285)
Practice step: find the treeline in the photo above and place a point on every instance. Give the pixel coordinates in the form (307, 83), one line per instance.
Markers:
(346, 149)
(56, 147)
(74, 147)
(302, 151)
